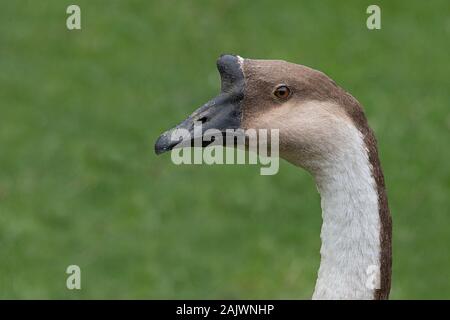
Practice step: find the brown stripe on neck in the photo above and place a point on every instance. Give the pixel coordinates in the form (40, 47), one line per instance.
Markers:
(356, 113)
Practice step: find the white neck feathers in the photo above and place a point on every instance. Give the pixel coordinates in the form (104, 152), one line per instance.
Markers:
(350, 252)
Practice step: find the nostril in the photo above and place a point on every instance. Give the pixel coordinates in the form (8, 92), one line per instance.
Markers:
(203, 119)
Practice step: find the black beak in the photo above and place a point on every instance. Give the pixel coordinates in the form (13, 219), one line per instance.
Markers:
(221, 113)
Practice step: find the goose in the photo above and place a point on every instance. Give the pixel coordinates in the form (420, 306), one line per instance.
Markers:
(322, 129)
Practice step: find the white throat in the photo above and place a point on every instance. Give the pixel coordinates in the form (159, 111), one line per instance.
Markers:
(350, 252)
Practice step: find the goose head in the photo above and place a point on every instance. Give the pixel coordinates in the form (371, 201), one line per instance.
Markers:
(313, 115)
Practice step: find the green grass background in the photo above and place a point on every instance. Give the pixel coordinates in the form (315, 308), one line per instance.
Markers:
(80, 111)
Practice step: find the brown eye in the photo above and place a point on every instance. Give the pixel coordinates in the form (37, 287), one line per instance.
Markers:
(282, 92)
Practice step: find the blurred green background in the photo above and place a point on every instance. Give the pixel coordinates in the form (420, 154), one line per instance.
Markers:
(80, 111)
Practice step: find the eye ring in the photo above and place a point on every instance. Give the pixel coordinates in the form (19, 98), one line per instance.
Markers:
(282, 92)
